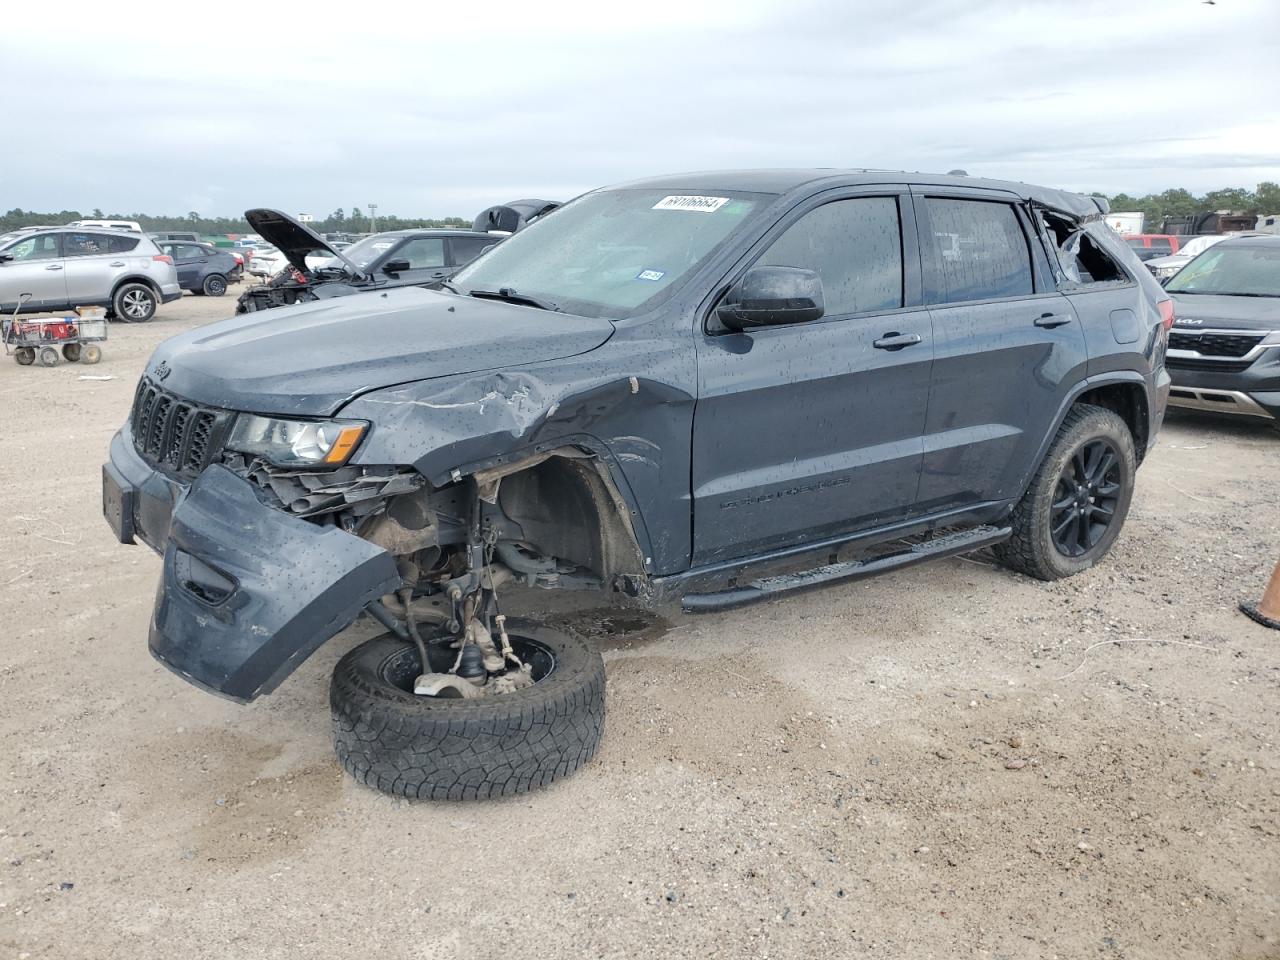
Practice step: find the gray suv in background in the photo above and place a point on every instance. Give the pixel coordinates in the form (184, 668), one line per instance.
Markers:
(65, 267)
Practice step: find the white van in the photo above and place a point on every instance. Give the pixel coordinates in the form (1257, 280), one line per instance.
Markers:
(132, 225)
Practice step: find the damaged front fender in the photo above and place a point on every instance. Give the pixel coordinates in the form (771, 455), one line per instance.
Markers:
(249, 592)
(636, 425)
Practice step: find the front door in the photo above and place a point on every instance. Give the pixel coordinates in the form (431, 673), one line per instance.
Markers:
(35, 267)
(814, 430)
(426, 260)
(1008, 347)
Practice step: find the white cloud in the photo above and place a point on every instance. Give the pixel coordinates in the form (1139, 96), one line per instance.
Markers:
(432, 114)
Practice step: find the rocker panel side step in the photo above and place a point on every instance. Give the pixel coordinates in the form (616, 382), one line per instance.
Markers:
(947, 545)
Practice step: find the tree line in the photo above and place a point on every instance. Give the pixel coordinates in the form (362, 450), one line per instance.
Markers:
(340, 221)
(1180, 203)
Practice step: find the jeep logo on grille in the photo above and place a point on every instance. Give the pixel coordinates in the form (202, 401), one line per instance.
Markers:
(161, 371)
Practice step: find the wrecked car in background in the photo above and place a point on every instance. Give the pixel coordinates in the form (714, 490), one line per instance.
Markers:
(673, 388)
(318, 270)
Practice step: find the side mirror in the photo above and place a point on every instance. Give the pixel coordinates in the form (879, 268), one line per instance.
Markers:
(5, 257)
(767, 296)
(393, 267)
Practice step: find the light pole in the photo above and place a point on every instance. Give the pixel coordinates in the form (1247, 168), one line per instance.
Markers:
(373, 219)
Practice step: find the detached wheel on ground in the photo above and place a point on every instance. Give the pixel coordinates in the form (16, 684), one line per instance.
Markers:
(450, 748)
(1077, 502)
(134, 303)
(215, 285)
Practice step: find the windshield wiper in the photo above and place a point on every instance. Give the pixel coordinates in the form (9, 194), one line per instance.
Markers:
(511, 296)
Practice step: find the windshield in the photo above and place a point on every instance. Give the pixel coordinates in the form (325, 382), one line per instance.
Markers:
(612, 253)
(1249, 270)
(362, 253)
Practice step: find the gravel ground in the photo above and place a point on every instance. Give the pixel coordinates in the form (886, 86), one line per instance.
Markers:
(936, 763)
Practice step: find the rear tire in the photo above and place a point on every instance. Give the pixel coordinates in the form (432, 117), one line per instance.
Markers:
(215, 285)
(134, 303)
(1063, 526)
(433, 748)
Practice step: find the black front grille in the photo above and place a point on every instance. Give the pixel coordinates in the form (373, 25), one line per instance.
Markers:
(1201, 363)
(174, 434)
(1215, 344)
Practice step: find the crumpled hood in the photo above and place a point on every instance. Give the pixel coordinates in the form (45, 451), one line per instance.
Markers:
(311, 359)
(1225, 313)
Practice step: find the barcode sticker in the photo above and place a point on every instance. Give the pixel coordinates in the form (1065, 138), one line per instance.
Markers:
(696, 204)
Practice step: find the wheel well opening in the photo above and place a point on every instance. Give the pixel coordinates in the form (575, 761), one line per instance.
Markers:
(567, 507)
(145, 281)
(1129, 402)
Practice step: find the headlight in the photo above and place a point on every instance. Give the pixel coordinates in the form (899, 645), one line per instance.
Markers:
(296, 443)
(1164, 273)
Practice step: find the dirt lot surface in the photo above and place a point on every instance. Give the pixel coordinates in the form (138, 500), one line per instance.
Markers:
(937, 763)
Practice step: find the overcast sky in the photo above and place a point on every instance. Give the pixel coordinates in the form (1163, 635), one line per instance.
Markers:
(442, 109)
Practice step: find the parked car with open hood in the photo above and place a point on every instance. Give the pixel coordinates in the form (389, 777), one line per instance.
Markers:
(683, 387)
(1224, 352)
(383, 261)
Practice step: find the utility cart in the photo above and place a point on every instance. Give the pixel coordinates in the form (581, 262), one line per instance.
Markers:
(74, 338)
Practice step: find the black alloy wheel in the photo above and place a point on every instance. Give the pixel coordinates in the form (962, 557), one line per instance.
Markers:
(1086, 498)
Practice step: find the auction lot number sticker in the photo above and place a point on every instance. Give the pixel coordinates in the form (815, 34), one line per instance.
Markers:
(696, 204)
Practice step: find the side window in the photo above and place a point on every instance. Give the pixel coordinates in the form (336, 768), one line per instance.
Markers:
(43, 246)
(85, 244)
(121, 244)
(422, 253)
(466, 249)
(188, 251)
(855, 247)
(1163, 244)
(980, 250)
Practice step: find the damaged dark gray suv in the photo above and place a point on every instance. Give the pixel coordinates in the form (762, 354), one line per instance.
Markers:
(719, 387)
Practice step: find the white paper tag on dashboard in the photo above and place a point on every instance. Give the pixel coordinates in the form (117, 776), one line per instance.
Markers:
(697, 204)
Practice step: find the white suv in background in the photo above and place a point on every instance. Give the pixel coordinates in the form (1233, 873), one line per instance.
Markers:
(64, 267)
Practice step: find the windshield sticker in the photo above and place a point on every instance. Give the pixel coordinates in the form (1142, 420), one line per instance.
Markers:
(698, 204)
(651, 274)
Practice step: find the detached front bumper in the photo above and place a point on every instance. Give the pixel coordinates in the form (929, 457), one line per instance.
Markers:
(247, 592)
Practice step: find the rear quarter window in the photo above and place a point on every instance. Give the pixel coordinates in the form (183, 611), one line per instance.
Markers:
(122, 244)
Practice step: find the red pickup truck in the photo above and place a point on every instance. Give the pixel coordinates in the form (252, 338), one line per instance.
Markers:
(1151, 245)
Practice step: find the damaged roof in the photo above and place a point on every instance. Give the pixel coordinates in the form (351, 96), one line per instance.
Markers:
(783, 180)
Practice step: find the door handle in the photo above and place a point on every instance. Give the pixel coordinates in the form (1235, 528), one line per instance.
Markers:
(1051, 320)
(896, 341)
(54, 266)
(116, 263)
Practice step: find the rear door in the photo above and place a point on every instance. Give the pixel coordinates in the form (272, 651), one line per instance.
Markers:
(1008, 346)
(465, 249)
(95, 260)
(814, 430)
(36, 267)
(190, 261)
